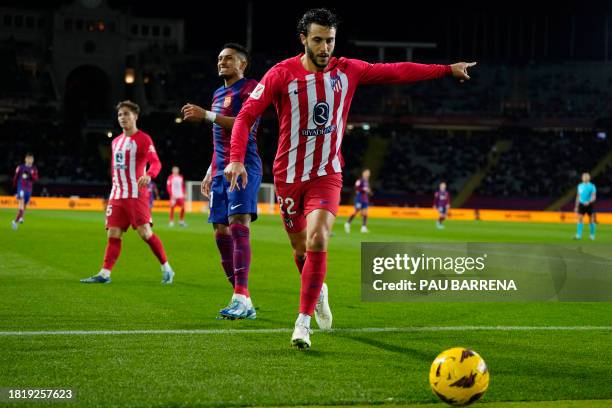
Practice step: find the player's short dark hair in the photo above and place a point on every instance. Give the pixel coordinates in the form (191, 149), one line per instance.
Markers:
(320, 16)
(130, 105)
(239, 48)
(29, 154)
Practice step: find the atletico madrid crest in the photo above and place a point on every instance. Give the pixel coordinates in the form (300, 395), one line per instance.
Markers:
(336, 83)
(227, 101)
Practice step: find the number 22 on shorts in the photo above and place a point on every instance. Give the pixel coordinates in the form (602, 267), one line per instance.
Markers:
(286, 205)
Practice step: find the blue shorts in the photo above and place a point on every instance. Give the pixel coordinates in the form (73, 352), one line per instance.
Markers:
(25, 195)
(223, 203)
(442, 210)
(361, 205)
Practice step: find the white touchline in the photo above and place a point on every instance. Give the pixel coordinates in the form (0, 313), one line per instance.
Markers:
(288, 330)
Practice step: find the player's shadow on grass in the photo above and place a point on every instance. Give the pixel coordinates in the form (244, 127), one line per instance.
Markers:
(404, 351)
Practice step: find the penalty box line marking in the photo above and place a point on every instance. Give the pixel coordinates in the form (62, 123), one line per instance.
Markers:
(286, 330)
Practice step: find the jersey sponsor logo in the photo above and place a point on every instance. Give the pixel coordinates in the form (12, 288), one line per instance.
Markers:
(320, 113)
(227, 101)
(258, 91)
(318, 132)
(120, 160)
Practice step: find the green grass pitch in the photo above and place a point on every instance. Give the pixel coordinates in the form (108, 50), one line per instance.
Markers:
(40, 267)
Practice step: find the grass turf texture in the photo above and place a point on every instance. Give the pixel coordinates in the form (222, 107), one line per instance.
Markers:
(40, 265)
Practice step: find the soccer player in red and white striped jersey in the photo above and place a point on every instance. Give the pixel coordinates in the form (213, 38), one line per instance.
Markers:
(128, 204)
(312, 94)
(175, 185)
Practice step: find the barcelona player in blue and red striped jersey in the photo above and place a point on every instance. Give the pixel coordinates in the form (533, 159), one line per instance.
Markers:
(25, 176)
(362, 202)
(442, 204)
(231, 212)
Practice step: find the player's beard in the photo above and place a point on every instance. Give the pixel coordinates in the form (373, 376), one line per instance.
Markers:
(313, 58)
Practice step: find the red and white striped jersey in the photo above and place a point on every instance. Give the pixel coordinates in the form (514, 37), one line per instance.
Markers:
(312, 108)
(130, 157)
(175, 186)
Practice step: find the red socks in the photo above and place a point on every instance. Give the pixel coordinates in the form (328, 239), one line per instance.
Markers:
(299, 262)
(113, 249)
(313, 276)
(157, 248)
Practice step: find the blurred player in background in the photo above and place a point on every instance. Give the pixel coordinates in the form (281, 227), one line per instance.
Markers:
(153, 193)
(362, 191)
(585, 199)
(312, 94)
(442, 204)
(231, 212)
(128, 204)
(25, 176)
(175, 185)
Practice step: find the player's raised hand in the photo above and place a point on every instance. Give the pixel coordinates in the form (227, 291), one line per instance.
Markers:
(232, 172)
(144, 180)
(205, 186)
(460, 70)
(193, 113)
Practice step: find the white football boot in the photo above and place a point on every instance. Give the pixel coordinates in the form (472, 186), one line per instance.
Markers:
(323, 314)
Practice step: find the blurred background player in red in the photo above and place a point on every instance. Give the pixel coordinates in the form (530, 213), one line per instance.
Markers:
(175, 185)
(153, 193)
(128, 204)
(231, 212)
(25, 176)
(362, 202)
(442, 204)
(312, 94)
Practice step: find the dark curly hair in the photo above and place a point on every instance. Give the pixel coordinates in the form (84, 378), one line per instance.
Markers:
(320, 16)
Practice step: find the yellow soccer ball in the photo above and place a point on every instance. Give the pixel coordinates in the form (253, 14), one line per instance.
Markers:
(459, 376)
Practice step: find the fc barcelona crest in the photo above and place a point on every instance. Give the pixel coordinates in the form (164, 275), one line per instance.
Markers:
(227, 101)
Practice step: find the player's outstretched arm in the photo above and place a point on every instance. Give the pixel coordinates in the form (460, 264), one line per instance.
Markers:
(407, 72)
(460, 70)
